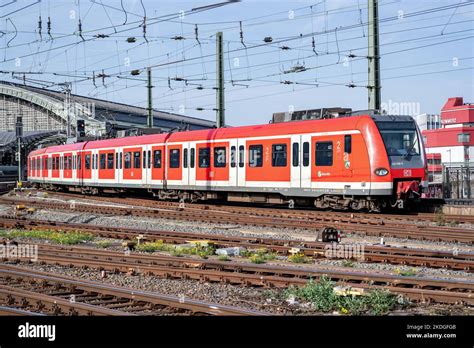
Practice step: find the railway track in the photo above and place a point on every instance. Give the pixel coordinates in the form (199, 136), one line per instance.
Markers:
(348, 224)
(240, 273)
(36, 291)
(301, 212)
(396, 255)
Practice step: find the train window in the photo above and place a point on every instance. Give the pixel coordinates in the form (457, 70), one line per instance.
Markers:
(157, 159)
(233, 156)
(149, 158)
(121, 157)
(279, 155)
(74, 162)
(192, 157)
(185, 158)
(347, 143)
(57, 162)
(296, 154)
(116, 160)
(174, 158)
(306, 154)
(144, 159)
(102, 161)
(204, 157)
(110, 161)
(96, 161)
(255, 155)
(69, 162)
(128, 160)
(136, 159)
(53, 163)
(220, 157)
(241, 156)
(79, 161)
(324, 153)
(87, 162)
(93, 162)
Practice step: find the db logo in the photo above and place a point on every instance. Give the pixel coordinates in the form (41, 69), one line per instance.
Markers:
(407, 172)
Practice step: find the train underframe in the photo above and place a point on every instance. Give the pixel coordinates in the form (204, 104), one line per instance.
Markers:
(407, 193)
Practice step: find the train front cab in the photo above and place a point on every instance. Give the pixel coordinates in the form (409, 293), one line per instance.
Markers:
(406, 155)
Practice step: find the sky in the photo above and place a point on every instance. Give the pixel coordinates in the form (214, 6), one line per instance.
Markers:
(426, 53)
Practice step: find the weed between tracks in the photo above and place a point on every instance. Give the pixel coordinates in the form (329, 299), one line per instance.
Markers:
(68, 238)
(323, 298)
(203, 251)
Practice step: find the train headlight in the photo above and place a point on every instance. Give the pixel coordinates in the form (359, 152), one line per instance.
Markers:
(381, 171)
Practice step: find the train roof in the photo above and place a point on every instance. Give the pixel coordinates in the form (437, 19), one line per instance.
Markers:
(272, 129)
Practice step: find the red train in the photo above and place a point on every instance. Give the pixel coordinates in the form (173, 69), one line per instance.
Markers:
(357, 162)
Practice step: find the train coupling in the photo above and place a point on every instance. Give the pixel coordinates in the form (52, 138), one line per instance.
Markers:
(329, 235)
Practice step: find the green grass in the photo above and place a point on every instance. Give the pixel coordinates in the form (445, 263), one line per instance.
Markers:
(256, 258)
(299, 258)
(69, 238)
(223, 258)
(323, 298)
(348, 263)
(198, 249)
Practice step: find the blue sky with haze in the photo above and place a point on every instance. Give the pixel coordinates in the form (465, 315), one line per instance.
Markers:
(427, 52)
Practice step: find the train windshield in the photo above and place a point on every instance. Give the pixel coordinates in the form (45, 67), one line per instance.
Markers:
(402, 143)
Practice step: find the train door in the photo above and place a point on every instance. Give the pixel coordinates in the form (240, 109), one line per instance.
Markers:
(296, 158)
(192, 164)
(305, 161)
(242, 159)
(146, 165)
(45, 168)
(233, 165)
(118, 166)
(185, 164)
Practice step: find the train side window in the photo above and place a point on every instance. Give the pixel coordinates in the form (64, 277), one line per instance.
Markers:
(324, 153)
(120, 163)
(110, 161)
(241, 156)
(102, 161)
(87, 160)
(232, 156)
(144, 159)
(136, 159)
(69, 162)
(157, 159)
(255, 155)
(79, 162)
(57, 162)
(116, 160)
(174, 158)
(185, 158)
(279, 155)
(204, 157)
(220, 157)
(296, 153)
(149, 158)
(347, 143)
(192, 157)
(128, 160)
(306, 154)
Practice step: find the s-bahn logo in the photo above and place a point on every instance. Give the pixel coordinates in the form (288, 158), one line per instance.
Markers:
(407, 172)
(320, 174)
